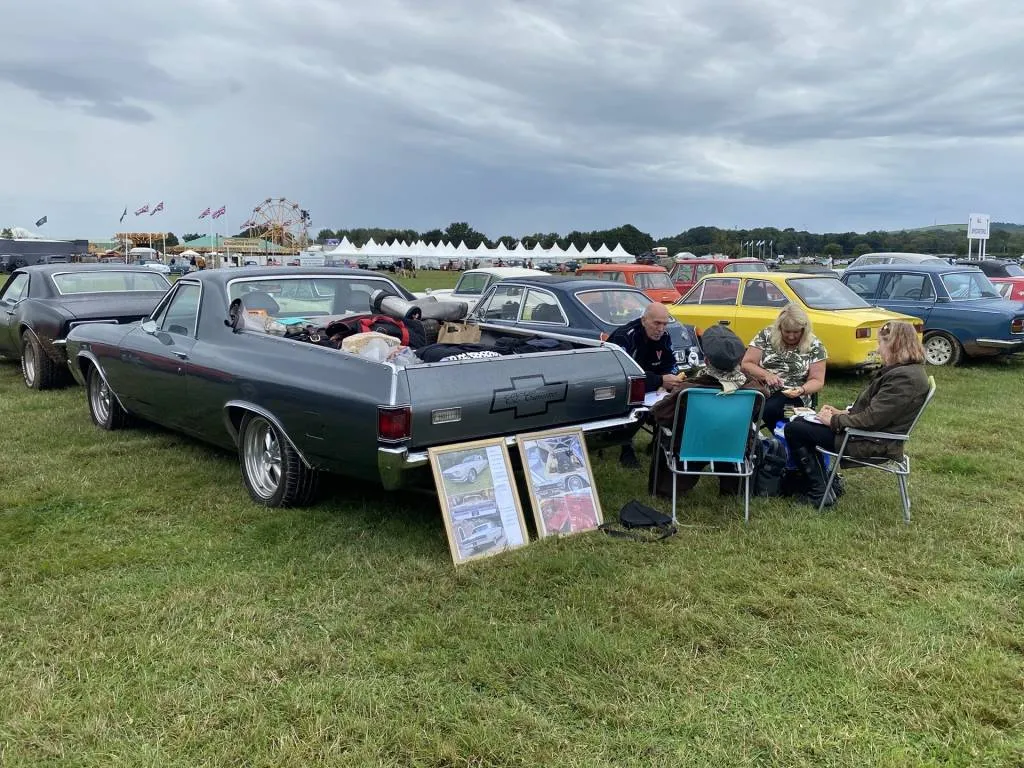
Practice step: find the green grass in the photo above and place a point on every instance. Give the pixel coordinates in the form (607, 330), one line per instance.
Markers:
(151, 615)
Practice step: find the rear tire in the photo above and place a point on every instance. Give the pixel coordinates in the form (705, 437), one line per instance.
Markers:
(104, 409)
(272, 471)
(37, 369)
(941, 349)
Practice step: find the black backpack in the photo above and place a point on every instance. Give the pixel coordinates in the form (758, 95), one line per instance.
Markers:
(635, 516)
(769, 466)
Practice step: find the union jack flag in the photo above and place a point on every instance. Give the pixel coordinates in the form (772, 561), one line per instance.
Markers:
(142, 210)
(219, 212)
(157, 208)
(204, 214)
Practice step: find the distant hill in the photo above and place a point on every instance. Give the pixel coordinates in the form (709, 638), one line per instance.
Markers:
(996, 226)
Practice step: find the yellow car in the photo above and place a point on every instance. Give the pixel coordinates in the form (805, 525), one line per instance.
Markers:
(749, 301)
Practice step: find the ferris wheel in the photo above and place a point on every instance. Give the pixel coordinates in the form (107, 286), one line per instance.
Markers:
(281, 222)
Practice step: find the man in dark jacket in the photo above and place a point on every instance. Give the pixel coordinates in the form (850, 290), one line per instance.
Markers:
(646, 340)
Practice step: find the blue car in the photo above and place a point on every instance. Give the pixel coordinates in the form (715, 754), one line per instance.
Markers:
(574, 307)
(963, 313)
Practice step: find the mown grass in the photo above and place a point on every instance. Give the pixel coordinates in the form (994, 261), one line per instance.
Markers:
(151, 615)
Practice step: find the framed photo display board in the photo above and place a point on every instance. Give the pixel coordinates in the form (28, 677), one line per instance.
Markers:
(479, 502)
(561, 481)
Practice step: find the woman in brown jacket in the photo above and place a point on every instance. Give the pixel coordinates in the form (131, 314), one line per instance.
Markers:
(889, 404)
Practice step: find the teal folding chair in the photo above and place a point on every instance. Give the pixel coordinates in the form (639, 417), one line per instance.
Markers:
(716, 436)
(900, 468)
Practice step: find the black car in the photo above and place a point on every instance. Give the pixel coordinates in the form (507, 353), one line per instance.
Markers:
(180, 267)
(577, 308)
(994, 267)
(40, 304)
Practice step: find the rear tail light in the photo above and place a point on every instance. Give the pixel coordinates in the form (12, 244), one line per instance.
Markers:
(1017, 326)
(637, 390)
(863, 333)
(394, 423)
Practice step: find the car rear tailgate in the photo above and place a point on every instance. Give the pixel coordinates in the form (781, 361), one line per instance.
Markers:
(469, 399)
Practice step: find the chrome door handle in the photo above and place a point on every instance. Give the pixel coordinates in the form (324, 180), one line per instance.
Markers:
(723, 322)
(180, 355)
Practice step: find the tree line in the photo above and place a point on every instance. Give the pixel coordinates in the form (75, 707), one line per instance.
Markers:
(1006, 240)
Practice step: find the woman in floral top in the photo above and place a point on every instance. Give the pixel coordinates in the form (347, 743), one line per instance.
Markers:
(789, 360)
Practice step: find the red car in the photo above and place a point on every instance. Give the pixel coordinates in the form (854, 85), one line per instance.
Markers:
(649, 278)
(1010, 287)
(686, 272)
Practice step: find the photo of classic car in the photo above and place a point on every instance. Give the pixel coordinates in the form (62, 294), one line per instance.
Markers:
(570, 513)
(40, 305)
(467, 470)
(562, 491)
(480, 537)
(964, 314)
(746, 302)
(292, 409)
(573, 308)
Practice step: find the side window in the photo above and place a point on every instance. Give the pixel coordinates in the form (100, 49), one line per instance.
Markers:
(683, 273)
(864, 284)
(704, 269)
(542, 307)
(504, 303)
(721, 291)
(763, 293)
(181, 314)
(907, 287)
(15, 290)
(693, 297)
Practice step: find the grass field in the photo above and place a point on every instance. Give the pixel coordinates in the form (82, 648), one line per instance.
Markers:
(151, 615)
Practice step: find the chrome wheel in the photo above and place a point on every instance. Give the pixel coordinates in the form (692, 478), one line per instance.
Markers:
(262, 457)
(29, 364)
(99, 399)
(938, 350)
(574, 483)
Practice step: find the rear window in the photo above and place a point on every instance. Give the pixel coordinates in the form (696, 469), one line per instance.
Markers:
(308, 296)
(472, 283)
(825, 293)
(614, 307)
(109, 281)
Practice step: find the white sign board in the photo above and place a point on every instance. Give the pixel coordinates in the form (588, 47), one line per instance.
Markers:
(977, 226)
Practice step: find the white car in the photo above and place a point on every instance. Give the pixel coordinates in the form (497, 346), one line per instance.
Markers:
(156, 266)
(483, 535)
(467, 470)
(475, 282)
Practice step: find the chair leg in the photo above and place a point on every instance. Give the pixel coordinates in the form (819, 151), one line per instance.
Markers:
(832, 471)
(675, 478)
(746, 499)
(905, 496)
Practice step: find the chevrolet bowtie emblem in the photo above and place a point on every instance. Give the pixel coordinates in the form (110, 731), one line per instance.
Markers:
(528, 396)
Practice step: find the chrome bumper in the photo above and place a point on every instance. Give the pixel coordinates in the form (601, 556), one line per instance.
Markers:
(394, 463)
(1000, 343)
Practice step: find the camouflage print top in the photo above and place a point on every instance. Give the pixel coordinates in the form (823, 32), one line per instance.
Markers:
(790, 365)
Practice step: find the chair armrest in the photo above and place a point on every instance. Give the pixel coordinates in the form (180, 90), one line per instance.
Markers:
(879, 435)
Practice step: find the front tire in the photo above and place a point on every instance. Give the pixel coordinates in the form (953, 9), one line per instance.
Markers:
(941, 349)
(272, 471)
(37, 369)
(104, 409)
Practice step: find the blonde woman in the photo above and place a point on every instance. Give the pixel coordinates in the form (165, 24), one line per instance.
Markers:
(889, 404)
(789, 360)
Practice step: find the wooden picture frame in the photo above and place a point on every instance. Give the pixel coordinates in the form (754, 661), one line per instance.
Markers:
(561, 481)
(479, 501)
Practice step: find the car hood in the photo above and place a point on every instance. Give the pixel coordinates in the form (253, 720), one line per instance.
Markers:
(103, 306)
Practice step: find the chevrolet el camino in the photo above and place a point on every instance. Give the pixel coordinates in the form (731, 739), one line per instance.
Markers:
(292, 409)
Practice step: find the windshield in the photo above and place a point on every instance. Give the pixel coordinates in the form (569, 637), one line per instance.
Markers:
(656, 280)
(825, 293)
(472, 283)
(106, 280)
(963, 286)
(308, 296)
(614, 307)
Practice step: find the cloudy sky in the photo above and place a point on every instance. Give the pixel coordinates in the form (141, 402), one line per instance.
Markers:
(515, 115)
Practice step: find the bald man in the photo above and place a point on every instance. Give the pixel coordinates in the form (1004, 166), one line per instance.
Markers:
(646, 340)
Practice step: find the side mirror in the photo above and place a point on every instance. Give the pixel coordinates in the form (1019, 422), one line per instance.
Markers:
(150, 327)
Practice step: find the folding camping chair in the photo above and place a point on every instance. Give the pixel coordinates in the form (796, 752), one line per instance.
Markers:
(900, 468)
(717, 431)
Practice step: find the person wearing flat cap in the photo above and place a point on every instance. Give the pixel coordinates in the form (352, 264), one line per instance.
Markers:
(723, 354)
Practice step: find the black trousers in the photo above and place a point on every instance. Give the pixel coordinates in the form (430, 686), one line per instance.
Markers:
(808, 434)
(774, 406)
